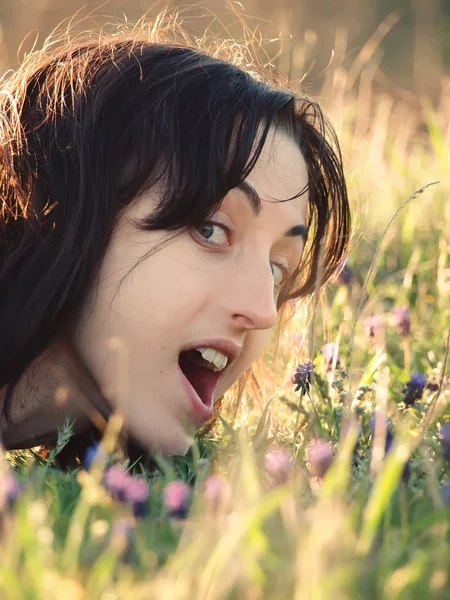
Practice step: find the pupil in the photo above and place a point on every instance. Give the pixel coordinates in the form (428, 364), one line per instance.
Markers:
(203, 227)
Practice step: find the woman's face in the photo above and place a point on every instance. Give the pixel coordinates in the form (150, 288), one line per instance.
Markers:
(190, 293)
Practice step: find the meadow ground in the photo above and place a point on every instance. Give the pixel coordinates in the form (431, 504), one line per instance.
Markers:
(302, 505)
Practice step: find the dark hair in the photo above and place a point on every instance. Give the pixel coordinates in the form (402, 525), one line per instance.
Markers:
(86, 128)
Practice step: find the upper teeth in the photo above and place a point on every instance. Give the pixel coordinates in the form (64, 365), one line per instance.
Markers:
(217, 359)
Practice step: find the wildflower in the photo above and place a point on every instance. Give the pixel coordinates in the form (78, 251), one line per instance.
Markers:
(91, 453)
(176, 495)
(320, 455)
(402, 320)
(216, 489)
(278, 464)
(373, 326)
(389, 433)
(328, 351)
(137, 492)
(388, 446)
(116, 481)
(446, 493)
(445, 441)
(303, 377)
(346, 275)
(13, 488)
(414, 388)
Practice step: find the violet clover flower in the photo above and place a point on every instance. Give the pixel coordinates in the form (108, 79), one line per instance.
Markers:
(328, 351)
(445, 441)
(402, 320)
(127, 489)
(320, 456)
(215, 490)
(137, 493)
(373, 325)
(303, 377)
(388, 446)
(278, 464)
(414, 388)
(13, 488)
(176, 496)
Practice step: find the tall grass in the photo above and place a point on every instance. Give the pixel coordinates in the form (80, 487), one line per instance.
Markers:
(341, 520)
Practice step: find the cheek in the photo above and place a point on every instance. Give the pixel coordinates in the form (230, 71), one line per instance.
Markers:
(254, 343)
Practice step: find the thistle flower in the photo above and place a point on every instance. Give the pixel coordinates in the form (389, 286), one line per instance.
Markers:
(373, 325)
(91, 453)
(402, 320)
(216, 489)
(116, 481)
(12, 489)
(446, 493)
(414, 388)
(320, 455)
(278, 464)
(445, 441)
(137, 492)
(303, 377)
(328, 351)
(346, 275)
(388, 446)
(389, 433)
(176, 495)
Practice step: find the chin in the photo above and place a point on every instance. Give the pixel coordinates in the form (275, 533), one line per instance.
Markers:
(172, 442)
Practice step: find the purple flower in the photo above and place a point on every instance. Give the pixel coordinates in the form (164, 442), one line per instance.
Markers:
(445, 441)
(373, 325)
(13, 489)
(116, 481)
(216, 489)
(90, 454)
(320, 455)
(176, 495)
(402, 320)
(389, 443)
(328, 351)
(389, 433)
(414, 388)
(303, 377)
(278, 464)
(346, 275)
(446, 493)
(137, 492)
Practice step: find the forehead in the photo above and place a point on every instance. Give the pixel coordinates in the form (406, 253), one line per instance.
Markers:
(279, 174)
(280, 171)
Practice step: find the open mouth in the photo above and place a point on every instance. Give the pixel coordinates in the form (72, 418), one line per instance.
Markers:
(201, 377)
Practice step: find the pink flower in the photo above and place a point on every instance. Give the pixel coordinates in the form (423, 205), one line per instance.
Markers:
(328, 351)
(137, 490)
(402, 320)
(373, 325)
(278, 464)
(320, 453)
(216, 488)
(176, 495)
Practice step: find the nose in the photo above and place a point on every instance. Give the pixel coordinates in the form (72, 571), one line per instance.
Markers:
(250, 295)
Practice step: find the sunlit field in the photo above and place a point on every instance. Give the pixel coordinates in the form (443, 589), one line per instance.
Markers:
(331, 480)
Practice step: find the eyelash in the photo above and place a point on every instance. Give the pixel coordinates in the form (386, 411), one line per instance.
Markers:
(230, 234)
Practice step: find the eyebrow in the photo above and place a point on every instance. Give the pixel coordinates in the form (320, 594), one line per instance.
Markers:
(255, 202)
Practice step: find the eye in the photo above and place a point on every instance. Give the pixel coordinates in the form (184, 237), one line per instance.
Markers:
(218, 235)
(210, 233)
(283, 274)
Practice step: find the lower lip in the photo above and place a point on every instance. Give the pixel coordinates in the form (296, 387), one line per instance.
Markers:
(201, 412)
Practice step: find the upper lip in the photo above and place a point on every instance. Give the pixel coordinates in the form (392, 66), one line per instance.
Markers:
(227, 347)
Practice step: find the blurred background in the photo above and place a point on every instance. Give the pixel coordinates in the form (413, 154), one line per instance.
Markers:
(379, 68)
(408, 39)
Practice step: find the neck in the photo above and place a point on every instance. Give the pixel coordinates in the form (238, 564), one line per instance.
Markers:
(56, 386)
